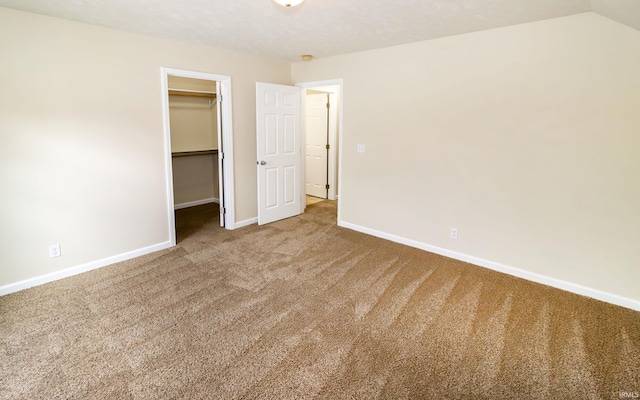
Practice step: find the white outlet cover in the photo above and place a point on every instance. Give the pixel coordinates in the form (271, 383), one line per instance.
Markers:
(361, 148)
(54, 250)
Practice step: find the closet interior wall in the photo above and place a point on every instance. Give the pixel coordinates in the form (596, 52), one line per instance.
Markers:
(193, 124)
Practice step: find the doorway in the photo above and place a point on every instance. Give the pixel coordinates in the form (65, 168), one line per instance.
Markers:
(281, 178)
(204, 143)
(321, 134)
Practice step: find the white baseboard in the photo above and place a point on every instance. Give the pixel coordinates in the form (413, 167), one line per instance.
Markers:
(65, 273)
(530, 276)
(246, 222)
(196, 203)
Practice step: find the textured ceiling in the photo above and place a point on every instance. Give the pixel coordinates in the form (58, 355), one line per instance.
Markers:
(319, 27)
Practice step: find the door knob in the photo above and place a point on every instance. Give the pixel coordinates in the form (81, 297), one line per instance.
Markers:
(263, 163)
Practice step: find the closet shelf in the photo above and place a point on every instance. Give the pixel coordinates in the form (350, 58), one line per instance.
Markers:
(194, 153)
(192, 93)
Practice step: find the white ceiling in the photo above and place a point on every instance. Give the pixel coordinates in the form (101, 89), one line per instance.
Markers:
(319, 27)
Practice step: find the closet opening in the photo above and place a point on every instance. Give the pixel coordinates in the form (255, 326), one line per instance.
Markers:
(198, 142)
(193, 122)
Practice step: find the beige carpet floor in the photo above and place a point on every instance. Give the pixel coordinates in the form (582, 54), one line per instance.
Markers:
(304, 309)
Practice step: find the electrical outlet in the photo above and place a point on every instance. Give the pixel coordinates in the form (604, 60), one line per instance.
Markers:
(54, 251)
(454, 233)
(361, 148)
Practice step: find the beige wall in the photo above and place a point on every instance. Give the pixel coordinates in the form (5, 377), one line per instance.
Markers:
(191, 124)
(193, 120)
(525, 138)
(81, 139)
(195, 178)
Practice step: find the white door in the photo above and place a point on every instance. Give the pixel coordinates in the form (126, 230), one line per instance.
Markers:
(317, 140)
(220, 153)
(278, 142)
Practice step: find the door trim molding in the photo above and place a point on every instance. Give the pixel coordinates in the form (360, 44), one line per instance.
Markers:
(227, 144)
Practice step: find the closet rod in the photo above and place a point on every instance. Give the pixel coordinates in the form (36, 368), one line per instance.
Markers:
(191, 93)
(194, 153)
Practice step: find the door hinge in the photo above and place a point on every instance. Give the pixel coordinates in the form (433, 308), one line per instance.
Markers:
(327, 146)
(328, 105)
(221, 155)
(219, 97)
(223, 210)
(327, 187)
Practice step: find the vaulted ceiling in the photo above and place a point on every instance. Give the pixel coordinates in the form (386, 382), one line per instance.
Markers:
(322, 28)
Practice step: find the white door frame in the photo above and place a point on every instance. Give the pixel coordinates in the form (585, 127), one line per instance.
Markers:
(227, 142)
(333, 112)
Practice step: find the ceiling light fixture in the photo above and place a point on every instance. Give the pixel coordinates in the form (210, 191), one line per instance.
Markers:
(289, 3)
